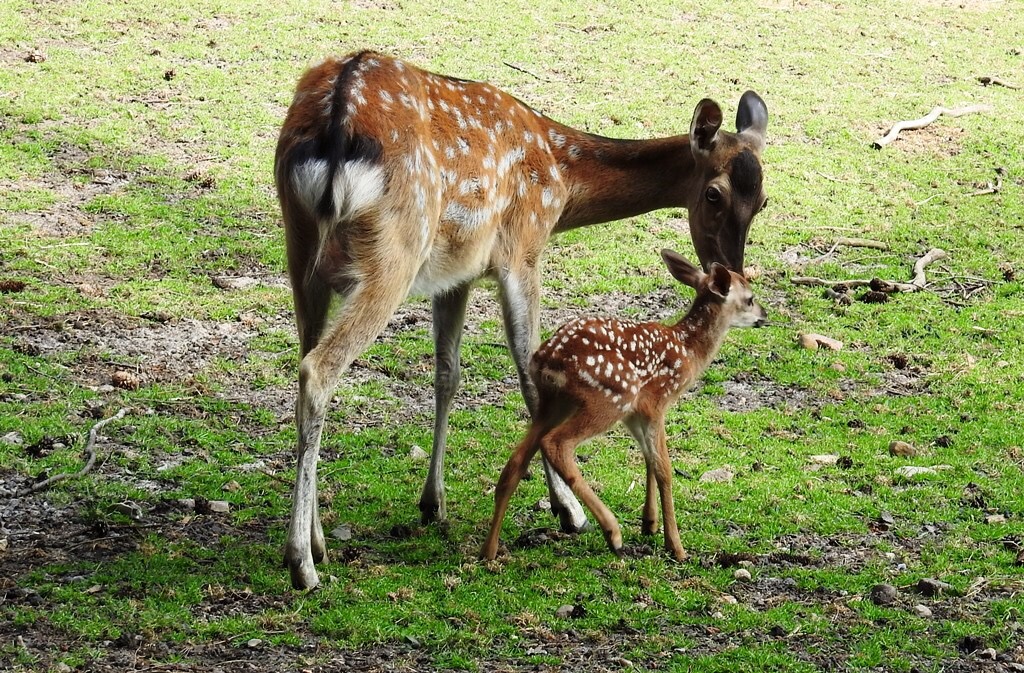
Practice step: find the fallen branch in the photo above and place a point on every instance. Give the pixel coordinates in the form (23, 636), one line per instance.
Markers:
(863, 243)
(995, 81)
(913, 124)
(933, 255)
(877, 284)
(90, 450)
(854, 243)
(525, 71)
(992, 188)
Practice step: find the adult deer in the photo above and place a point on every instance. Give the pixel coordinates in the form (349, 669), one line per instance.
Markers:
(396, 181)
(594, 372)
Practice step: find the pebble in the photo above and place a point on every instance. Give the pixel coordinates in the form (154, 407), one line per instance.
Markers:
(13, 439)
(933, 587)
(742, 575)
(922, 611)
(720, 475)
(883, 594)
(901, 449)
(417, 453)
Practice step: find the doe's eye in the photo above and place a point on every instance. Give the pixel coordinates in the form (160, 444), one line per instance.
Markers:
(713, 194)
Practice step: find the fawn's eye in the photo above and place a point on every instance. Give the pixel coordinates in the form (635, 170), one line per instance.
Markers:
(713, 195)
(750, 301)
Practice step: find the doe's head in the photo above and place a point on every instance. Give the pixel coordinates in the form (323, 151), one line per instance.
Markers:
(721, 286)
(728, 189)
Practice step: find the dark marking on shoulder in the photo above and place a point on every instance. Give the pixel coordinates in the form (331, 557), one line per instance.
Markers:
(745, 173)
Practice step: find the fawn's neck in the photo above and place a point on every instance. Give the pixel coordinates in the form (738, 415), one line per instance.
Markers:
(611, 179)
(702, 331)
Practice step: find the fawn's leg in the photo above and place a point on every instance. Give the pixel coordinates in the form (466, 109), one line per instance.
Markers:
(510, 477)
(639, 429)
(449, 317)
(650, 435)
(519, 292)
(559, 447)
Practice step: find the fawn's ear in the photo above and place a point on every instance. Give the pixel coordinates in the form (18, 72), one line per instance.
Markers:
(721, 280)
(681, 268)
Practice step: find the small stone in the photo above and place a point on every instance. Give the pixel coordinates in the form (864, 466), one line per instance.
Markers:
(912, 471)
(253, 643)
(994, 519)
(813, 341)
(61, 667)
(129, 509)
(212, 506)
(571, 612)
(12, 439)
(727, 599)
(742, 575)
(231, 486)
(888, 519)
(901, 449)
(412, 641)
(233, 282)
(3, 544)
(922, 611)
(542, 505)
(883, 594)
(839, 367)
(720, 475)
(932, 587)
(342, 532)
(808, 341)
(824, 459)
(988, 653)
(417, 453)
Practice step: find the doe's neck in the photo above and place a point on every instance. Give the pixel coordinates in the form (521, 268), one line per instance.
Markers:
(611, 179)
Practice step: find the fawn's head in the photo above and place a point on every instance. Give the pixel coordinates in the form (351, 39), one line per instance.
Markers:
(728, 191)
(720, 286)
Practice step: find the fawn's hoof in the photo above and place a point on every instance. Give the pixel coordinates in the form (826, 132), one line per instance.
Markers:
(648, 527)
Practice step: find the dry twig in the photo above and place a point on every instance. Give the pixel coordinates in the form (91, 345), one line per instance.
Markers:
(912, 124)
(917, 283)
(854, 243)
(995, 81)
(525, 71)
(90, 450)
(992, 188)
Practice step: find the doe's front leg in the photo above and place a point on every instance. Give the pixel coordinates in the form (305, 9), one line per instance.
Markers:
(519, 292)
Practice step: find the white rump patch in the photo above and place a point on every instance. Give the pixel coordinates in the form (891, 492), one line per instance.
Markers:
(358, 185)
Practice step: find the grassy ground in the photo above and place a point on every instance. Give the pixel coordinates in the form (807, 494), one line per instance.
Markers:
(135, 166)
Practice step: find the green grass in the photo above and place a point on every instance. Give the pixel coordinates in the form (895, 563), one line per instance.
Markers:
(182, 102)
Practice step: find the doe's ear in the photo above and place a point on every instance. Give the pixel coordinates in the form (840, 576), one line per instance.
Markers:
(707, 119)
(752, 118)
(721, 280)
(681, 268)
